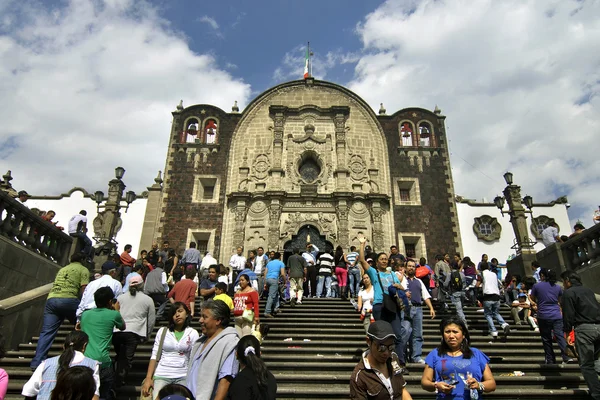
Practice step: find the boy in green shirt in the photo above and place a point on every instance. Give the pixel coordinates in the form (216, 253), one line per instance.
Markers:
(99, 324)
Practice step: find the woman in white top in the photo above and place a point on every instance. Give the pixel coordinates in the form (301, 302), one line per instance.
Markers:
(365, 302)
(175, 355)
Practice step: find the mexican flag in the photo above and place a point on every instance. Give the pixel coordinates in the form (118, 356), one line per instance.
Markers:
(306, 73)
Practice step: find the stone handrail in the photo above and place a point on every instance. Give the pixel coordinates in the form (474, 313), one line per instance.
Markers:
(582, 250)
(21, 225)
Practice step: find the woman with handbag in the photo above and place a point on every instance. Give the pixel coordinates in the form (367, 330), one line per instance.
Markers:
(171, 352)
(385, 307)
(245, 307)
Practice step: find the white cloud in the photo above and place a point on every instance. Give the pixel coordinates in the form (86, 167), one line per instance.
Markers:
(212, 23)
(518, 81)
(91, 86)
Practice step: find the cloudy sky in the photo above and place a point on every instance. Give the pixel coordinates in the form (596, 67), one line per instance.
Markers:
(86, 85)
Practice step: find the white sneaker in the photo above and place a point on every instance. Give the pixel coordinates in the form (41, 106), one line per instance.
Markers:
(537, 330)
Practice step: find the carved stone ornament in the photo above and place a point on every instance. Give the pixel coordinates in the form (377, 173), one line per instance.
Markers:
(487, 228)
(100, 228)
(358, 168)
(260, 167)
(323, 221)
(258, 207)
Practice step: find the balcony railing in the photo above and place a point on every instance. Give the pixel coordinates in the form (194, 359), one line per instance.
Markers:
(21, 225)
(582, 250)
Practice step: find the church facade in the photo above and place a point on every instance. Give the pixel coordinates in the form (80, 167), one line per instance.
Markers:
(307, 161)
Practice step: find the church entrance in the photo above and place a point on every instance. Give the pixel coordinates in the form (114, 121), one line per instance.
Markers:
(307, 234)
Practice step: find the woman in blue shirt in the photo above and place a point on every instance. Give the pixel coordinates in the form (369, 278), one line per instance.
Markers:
(454, 370)
(381, 280)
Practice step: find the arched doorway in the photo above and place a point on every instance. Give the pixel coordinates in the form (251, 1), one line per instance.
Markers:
(307, 233)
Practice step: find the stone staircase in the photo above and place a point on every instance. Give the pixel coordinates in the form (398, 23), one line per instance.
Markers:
(313, 348)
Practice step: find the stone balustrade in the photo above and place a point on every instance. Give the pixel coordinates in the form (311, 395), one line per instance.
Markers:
(582, 250)
(21, 225)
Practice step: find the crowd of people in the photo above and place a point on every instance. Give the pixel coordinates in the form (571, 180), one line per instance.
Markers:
(120, 306)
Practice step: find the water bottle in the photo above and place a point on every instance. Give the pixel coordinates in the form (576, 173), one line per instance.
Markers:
(474, 392)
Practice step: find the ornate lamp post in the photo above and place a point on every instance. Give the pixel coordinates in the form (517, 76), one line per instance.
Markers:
(518, 218)
(108, 222)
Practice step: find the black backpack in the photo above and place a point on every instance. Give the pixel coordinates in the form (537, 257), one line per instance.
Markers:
(456, 283)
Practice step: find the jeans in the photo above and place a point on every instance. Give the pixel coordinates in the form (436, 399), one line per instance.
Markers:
(126, 344)
(160, 301)
(546, 327)
(416, 314)
(273, 290)
(402, 328)
(261, 285)
(323, 279)
(491, 310)
(87, 248)
(160, 383)
(107, 378)
(296, 285)
(587, 342)
(354, 280)
(457, 298)
(55, 312)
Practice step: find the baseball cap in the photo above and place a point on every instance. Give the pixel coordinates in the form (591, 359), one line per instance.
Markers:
(522, 295)
(108, 266)
(380, 330)
(135, 280)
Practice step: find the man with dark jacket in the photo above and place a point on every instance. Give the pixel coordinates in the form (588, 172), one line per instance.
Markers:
(156, 287)
(582, 313)
(297, 265)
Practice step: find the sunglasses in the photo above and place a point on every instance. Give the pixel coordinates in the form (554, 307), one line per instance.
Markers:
(382, 348)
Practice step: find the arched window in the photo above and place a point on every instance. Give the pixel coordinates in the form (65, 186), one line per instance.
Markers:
(190, 133)
(210, 131)
(425, 134)
(406, 133)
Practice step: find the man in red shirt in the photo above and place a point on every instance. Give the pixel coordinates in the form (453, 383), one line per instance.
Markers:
(185, 290)
(127, 261)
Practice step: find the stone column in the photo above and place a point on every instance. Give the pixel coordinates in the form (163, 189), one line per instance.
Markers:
(240, 210)
(277, 170)
(151, 218)
(518, 219)
(274, 219)
(377, 216)
(343, 232)
(341, 172)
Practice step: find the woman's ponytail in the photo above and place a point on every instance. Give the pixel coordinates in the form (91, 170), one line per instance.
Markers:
(75, 340)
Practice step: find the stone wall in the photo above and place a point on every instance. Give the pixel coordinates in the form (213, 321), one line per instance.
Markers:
(21, 270)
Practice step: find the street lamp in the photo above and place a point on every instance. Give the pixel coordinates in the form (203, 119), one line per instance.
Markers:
(508, 178)
(119, 172)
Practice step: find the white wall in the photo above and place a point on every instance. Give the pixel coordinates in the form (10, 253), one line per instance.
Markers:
(501, 249)
(68, 206)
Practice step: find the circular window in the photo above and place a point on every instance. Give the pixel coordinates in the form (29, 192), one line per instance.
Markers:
(309, 169)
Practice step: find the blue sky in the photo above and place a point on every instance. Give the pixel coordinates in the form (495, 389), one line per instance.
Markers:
(517, 80)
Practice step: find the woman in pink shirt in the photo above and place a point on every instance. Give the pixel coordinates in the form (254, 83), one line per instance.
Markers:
(245, 299)
(3, 374)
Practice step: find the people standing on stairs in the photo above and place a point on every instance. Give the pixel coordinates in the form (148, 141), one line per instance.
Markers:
(127, 262)
(213, 365)
(156, 287)
(207, 261)
(221, 294)
(191, 256)
(381, 280)
(335, 287)
(378, 375)
(237, 263)
(63, 300)
(171, 261)
(249, 271)
(43, 380)
(254, 381)
(418, 296)
(341, 271)
(99, 324)
(170, 365)
(137, 311)
(491, 301)
(442, 270)
(581, 312)
(468, 268)
(325, 270)
(547, 294)
(260, 261)
(207, 286)
(456, 284)
(310, 255)
(109, 272)
(274, 269)
(185, 291)
(454, 370)
(298, 270)
(246, 307)
(365, 302)
(354, 277)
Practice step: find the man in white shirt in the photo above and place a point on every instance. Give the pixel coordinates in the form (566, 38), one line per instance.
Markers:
(260, 261)
(491, 301)
(550, 234)
(236, 264)
(207, 261)
(77, 228)
(109, 271)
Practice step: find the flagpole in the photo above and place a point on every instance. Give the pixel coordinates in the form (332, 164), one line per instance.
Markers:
(309, 62)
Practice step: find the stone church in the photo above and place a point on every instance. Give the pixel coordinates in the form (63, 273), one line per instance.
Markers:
(306, 161)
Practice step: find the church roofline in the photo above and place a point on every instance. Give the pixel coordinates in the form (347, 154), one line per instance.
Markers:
(178, 112)
(423, 110)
